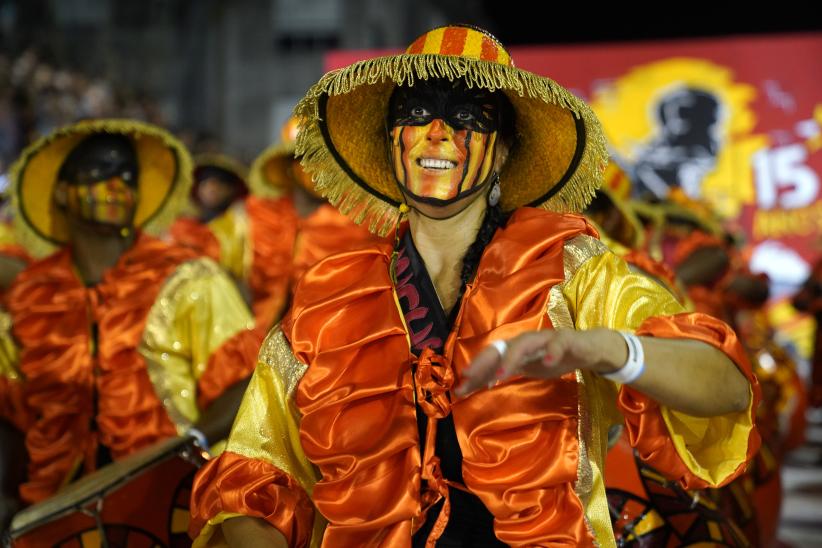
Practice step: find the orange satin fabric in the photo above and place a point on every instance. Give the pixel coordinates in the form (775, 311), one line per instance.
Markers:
(198, 236)
(52, 314)
(324, 232)
(645, 426)
(232, 362)
(273, 227)
(237, 484)
(357, 396)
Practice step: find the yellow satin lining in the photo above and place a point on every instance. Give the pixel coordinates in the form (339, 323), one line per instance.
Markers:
(267, 426)
(605, 293)
(197, 310)
(714, 447)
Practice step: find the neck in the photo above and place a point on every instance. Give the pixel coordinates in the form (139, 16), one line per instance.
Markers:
(442, 244)
(94, 251)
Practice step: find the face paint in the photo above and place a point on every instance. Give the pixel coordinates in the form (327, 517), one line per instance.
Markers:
(437, 161)
(110, 202)
(98, 180)
(443, 139)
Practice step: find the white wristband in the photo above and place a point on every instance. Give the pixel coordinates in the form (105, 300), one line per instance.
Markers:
(200, 438)
(634, 365)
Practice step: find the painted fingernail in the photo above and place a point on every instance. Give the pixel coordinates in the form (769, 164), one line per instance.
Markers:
(499, 373)
(548, 359)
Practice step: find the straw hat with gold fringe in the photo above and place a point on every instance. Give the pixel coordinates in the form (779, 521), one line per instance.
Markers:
(271, 174)
(163, 184)
(556, 162)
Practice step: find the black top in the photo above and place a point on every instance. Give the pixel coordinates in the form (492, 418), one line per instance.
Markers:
(470, 523)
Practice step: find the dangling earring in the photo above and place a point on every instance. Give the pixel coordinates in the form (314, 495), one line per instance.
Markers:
(493, 196)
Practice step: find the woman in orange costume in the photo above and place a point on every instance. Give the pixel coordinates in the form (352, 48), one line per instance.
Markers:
(388, 409)
(123, 340)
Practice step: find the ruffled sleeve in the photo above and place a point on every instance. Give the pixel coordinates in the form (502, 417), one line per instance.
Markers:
(199, 339)
(263, 472)
(696, 451)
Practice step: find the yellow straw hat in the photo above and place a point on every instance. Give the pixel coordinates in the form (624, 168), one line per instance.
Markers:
(556, 162)
(270, 174)
(163, 184)
(227, 163)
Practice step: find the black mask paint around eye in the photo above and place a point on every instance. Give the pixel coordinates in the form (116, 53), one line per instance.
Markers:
(99, 157)
(455, 103)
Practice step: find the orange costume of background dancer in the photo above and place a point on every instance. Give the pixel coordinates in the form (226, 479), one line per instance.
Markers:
(351, 432)
(109, 366)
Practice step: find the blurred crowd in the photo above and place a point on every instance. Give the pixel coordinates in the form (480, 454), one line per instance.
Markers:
(37, 97)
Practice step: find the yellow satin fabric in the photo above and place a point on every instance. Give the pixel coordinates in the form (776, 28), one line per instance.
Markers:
(12, 404)
(267, 429)
(605, 293)
(8, 351)
(196, 312)
(232, 231)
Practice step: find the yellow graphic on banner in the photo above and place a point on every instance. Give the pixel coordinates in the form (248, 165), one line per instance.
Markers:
(685, 122)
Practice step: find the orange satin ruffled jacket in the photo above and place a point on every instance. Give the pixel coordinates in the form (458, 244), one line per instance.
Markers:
(82, 388)
(521, 440)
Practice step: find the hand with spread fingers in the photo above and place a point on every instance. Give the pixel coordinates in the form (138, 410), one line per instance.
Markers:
(546, 354)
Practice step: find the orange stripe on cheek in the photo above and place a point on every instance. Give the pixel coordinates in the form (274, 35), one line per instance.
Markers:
(453, 41)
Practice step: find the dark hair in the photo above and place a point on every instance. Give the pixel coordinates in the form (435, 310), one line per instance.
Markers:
(494, 219)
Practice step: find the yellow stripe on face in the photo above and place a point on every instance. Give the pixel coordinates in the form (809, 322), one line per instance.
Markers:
(433, 41)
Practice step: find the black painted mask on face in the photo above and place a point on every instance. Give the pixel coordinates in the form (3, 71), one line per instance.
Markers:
(98, 180)
(444, 137)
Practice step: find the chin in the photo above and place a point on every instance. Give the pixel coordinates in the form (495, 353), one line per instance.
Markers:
(444, 211)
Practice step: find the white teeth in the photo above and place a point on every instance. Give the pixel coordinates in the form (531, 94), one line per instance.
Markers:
(431, 163)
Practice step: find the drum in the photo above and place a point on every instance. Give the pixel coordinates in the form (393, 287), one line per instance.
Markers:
(140, 501)
(648, 510)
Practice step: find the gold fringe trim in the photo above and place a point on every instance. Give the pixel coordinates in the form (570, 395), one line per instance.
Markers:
(379, 216)
(174, 202)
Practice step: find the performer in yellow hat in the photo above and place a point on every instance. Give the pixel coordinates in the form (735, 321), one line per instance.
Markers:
(270, 238)
(123, 340)
(456, 388)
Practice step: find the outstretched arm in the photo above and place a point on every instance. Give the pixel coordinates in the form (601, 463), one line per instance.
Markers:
(686, 375)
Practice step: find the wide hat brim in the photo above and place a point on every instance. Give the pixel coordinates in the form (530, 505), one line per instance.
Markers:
(164, 180)
(556, 162)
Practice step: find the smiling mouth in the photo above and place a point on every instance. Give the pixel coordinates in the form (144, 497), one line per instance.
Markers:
(435, 163)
